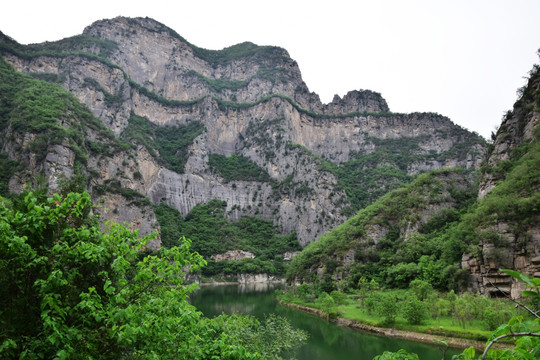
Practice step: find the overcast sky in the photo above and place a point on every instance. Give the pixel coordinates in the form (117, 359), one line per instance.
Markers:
(461, 58)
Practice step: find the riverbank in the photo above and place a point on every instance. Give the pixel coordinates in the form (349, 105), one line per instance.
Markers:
(454, 342)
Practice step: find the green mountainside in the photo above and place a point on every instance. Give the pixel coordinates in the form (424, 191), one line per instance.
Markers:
(407, 234)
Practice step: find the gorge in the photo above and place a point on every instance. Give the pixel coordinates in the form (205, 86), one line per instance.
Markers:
(230, 149)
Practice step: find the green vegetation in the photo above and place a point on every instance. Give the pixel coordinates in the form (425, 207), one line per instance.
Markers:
(245, 51)
(212, 233)
(522, 330)
(50, 114)
(7, 169)
(49, 77)
(367, 177)
(237, 167)
(218, 85)
(74, 291)
(169, 144)
(83, 43)
(114, 186)
(514, 201)
(468, 316)
(430, 254)
(75, 46)
(170, 224)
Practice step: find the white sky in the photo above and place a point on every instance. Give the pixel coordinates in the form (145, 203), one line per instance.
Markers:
(461, 58)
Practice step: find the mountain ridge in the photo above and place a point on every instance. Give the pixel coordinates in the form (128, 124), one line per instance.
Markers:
(128, 69)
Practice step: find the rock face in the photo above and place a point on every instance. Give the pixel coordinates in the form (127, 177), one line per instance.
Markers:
(258, 278)
(517, 242)
(235, 255)
(252, 102)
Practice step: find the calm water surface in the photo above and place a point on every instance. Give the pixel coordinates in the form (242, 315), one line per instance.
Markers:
(327, 341)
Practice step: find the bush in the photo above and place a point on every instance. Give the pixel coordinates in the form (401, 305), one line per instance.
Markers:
(414, 311)
(75, 291)
(421, 289)
(304, 292)
(339, 297)
(387, 307)
(491, 318)
(327, 305)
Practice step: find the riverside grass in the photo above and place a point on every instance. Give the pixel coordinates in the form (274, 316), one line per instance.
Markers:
(444, 326)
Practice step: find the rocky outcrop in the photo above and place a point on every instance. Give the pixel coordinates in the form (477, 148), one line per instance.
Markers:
(357, 101)
(258, 278)
(235, 255)
(137, 216)
(289, 255)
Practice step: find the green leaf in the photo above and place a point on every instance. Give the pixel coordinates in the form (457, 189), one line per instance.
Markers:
(529, 293)
(527, 279)
(469, 353)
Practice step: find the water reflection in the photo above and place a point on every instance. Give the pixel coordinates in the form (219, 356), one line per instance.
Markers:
(326, 339)
(257, 287)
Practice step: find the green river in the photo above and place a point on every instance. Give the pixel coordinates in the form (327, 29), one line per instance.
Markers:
(327, 341)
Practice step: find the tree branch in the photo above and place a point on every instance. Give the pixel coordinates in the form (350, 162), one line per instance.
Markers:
(513, 300)
(505, 336)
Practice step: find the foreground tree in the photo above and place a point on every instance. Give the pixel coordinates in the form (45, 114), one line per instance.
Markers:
(68, 289)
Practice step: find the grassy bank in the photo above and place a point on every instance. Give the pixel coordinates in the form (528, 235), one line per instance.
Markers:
(461, 321)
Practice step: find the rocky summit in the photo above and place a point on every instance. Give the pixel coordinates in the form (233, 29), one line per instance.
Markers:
(166, 122)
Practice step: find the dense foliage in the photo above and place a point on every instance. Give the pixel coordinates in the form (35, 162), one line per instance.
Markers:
(70, 290)
(212, 233)
(237, 167)
(368, 176)
(167, 143)
(419, 308)
(522, 330)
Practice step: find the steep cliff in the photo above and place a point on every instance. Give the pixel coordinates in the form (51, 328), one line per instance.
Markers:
(506, 220)
(180, 106)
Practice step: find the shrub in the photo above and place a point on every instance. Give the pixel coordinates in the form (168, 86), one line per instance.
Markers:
(421, 289)
(387, 307)
(414, 311)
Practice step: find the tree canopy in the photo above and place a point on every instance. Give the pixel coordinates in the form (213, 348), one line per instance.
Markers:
(71, 289)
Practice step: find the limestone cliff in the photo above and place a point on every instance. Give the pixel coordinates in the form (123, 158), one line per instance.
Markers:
(252, 102)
